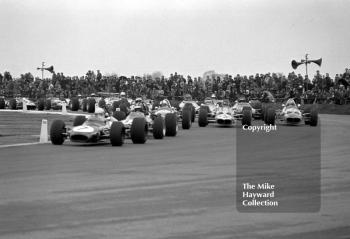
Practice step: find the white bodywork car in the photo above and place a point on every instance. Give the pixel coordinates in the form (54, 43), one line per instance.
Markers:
(225, 116)
(291, 114)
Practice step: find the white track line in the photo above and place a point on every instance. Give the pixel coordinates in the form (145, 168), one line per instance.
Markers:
(43, 112)
(16, 145)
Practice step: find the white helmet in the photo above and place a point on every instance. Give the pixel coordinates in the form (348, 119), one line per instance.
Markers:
(99, 112)
(137, 108)
(122, 93)
(163, 103)
(213, 96)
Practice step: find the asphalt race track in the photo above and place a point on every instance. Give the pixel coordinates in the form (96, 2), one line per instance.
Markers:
(182, 187)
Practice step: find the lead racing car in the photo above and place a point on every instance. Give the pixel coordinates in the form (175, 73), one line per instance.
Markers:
(97, 128)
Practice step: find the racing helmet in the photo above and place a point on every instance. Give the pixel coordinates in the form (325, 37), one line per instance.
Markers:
(163, 103)
(138, 108)
(138, 100)
(213, 96)
(99, 112)
(122, 94)
(290, 103)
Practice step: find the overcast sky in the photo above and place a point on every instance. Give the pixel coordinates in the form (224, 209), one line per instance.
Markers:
(132, 37)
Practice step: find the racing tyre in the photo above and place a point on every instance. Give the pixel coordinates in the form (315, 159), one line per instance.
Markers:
(158, 128)
(123, 108)
(202, 117)
(115, 105)
(119, 115)
(313, 117)
(41, 104)
(102, 103)
(58, 128)
(2, 103)
(117, 134)
(307, 110)
(75, 104)
(247, 116)
(171, 126)
(79, 120)
(266, 109)
(13, 104)
(270, 116)
(48, 104)
(138, 131)
(190, 107)
(91, 105)
(186, 118)
(84, 105)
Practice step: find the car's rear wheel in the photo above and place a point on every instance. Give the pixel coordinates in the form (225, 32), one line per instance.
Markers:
(186, 118)
(158, 128)
(2, 103)
(102, 103)
(13, 104)
(115, 105)
(313, 117)
(247, 116)
(91, 105)
(117, 134)
(41, 104)
(58, 128)
(203, 117)
(75, 104)
(138, 131)
(79, 120)
(271, 116)
(266, 109)
(84, 105)
(190, 107)
(124, 108)
(171, 126)
(48, 104)
(119, 115)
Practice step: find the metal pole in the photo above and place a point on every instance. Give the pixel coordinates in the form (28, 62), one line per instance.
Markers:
(42, 71)
(306, 62)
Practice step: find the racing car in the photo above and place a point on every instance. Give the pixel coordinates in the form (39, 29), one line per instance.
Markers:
(139, 122)
(292, 114)
(97, 128)
(17, 103)
(224, 115)
(188, 108)
(211, 105)
(169, 115)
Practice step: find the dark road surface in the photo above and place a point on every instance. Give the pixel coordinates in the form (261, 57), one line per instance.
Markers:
(182, 187)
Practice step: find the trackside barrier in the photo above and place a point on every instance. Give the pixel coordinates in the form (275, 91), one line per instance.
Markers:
(44, 138)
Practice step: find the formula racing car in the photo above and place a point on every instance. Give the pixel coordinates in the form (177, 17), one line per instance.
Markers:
(292, 114)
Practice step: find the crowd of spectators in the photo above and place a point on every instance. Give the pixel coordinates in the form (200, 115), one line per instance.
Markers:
(322, 88)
